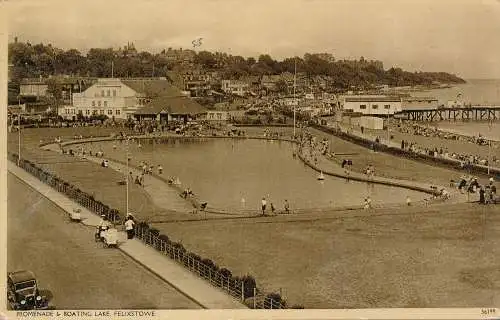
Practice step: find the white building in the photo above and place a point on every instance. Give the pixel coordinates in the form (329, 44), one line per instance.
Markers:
(116, 98)
(236, 87)
(371, 105)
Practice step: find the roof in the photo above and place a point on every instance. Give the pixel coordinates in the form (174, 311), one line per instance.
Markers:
(22, 275)
(419, 99)
(172, 105)
(152, 87)
(372, 99)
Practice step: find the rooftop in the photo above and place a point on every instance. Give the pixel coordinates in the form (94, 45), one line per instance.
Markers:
(153, 87)
(172, 105)
(420, 99)
(372, 99)
(22, 275)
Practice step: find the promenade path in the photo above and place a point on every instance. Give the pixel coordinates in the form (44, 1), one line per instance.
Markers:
(195, 288)
(330, 167)
(429, 142)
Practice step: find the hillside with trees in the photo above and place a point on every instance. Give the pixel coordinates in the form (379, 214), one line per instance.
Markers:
(30, 60)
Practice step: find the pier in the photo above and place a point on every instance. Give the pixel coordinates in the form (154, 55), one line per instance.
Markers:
(478, 113)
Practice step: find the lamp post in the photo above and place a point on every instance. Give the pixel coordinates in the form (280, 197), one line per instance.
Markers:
(19, 134)
(489, 146)
(294, 97)
(127, 172)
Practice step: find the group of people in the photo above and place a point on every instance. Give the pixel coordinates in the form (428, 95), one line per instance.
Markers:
(465, 159)
(487, 192)
(106, 227)
(286, 206)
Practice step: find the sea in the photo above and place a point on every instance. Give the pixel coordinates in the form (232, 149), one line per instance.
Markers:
(484, 92)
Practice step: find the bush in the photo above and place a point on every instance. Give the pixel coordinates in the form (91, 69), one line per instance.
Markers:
(210, 264)
(273, 299)
(298, 306)
(164, 238)
(226, 273)
(249, 284)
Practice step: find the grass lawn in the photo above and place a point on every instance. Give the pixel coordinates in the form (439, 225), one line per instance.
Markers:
(446, 258)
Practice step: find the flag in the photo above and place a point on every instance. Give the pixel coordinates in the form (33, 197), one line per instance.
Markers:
(197, 42)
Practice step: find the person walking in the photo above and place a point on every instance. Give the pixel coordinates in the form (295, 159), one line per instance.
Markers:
(287, 206)
(129, 227)
(408, 201)
(272, 208)
(264, 203)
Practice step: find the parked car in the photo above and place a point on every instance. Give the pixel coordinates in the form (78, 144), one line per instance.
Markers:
(23, 292)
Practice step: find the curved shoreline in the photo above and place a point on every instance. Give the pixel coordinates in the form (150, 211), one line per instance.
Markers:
(431, 190)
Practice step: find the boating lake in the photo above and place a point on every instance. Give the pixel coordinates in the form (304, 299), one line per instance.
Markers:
(236, 174)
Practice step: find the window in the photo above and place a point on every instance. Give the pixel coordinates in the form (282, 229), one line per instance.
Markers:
(101, 111)
(219, 116)
(375, 106)
(108, 93)
(105, 103)
(110, 112)
(387, 106)
(102, 93)
(87, 111)
(93, 103)
(363, 106)
(99, 103)
(117, 112)
(114, 93)
(96, 94)
(94, 112)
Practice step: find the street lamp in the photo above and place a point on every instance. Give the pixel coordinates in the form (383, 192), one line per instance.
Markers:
(19, 134)
(127, 172)
(489, 146)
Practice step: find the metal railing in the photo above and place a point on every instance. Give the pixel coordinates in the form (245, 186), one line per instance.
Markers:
(215, 276)
(80, 197)
(240, 288)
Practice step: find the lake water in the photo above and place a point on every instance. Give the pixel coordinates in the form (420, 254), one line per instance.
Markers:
(223, 172)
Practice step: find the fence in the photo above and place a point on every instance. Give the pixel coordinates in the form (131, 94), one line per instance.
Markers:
(241, 288)
(74, 193)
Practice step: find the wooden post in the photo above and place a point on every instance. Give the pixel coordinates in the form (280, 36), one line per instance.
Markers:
(242, 291)
(255, 298)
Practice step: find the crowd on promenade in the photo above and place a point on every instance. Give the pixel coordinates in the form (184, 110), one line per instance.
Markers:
(426, 131)
(464, 158)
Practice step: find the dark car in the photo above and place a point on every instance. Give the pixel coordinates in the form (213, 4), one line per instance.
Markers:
(23, 292)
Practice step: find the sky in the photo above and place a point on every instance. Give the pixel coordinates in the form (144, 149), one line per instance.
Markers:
(456, 36)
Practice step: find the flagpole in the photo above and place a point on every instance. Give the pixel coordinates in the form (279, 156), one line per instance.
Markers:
(294, 96)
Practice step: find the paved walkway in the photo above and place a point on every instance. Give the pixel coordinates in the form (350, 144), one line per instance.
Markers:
(192, 286)
(384, 139)
(330, 167)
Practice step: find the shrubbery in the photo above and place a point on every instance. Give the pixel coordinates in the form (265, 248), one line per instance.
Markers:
(153, 237)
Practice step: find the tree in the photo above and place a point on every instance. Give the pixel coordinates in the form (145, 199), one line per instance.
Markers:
(54, 90)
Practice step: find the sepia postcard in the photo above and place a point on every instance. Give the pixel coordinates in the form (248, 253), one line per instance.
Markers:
(229, 159)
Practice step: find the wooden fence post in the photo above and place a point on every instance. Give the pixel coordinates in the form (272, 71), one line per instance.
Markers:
(242, 291)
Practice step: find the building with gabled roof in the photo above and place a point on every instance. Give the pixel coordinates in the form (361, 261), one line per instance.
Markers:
(166, 109)
(117, 98)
